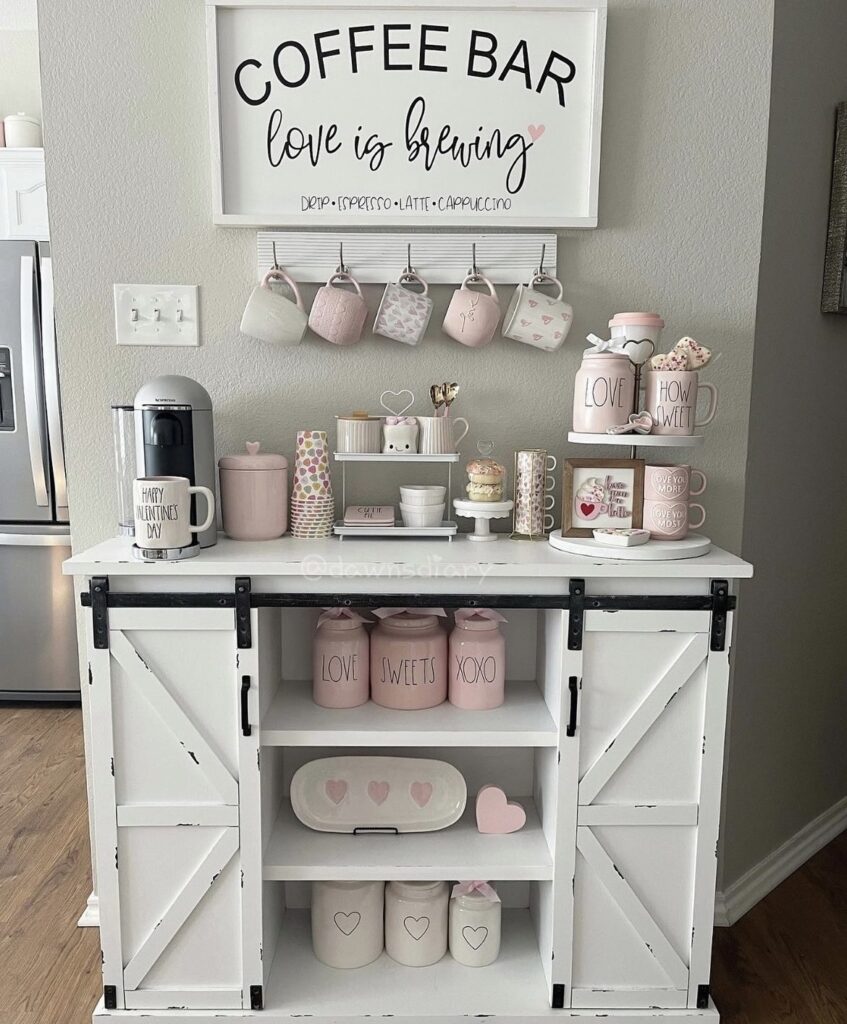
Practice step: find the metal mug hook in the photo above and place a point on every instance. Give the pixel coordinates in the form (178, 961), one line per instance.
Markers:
(408, 269)
(474, 268)
(276, 261)
(342, 269)
(540, 271)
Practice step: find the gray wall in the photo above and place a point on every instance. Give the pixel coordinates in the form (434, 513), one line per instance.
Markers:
(680, 204)
(787, 755)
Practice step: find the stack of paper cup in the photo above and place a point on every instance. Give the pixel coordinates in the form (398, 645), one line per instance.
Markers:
(312, 503)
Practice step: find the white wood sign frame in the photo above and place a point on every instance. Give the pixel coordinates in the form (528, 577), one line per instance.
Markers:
(568, 184)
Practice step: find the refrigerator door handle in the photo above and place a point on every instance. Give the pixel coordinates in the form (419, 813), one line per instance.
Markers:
(51, 383)
(29, 373)
(35, 540)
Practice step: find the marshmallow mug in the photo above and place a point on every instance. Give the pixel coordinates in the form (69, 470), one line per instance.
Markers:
(472, 316)
(163, 512)
(537, 319)
(272, 317)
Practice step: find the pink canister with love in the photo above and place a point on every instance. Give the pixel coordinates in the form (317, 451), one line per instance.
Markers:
(409, 659)
(477, 660)
(604, 392)
(340, 660)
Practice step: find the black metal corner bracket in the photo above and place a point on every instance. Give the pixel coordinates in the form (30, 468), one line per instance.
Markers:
(110, 997)
(257, 998)
(720, 606)
(577, 614)
(558, 997)
(99, 594)
(242, 613)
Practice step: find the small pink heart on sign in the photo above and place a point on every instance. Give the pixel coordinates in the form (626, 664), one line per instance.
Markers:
(336, 790)
(536, 131)
(378, 792)
(495, 815)
(421, 793)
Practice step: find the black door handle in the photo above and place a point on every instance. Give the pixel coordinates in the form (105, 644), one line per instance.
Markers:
(574, 692)
(246, 727)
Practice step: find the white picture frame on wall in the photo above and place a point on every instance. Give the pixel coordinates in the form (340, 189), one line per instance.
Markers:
(470, 113)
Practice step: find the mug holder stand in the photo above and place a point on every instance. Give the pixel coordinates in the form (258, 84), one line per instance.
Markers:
(544, 534)
(164, 554)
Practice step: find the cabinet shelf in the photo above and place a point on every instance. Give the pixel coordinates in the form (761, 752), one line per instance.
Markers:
(297, 853)
(294, 720)
(513, 986)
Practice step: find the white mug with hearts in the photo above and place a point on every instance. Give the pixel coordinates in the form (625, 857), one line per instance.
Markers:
(347, 922)
(416, 922)
(537, 319)
(404, 314)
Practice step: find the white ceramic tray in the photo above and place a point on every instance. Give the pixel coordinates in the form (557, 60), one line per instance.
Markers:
(378, 794)
(694, 545)
(639, 440)
(447, 529)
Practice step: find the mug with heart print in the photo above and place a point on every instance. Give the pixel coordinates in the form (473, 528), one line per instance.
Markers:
(537, 319)
(472, 316)
(403, 314)
(163, 514)
(338, 315)
(272, 317)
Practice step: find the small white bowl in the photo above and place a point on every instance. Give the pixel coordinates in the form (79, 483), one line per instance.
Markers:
(422, 515)
(422, 494)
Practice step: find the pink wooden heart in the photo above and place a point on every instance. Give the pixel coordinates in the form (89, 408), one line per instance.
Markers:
(378, 791)
(536, 131)
(495, 815)
(336, 790)
(421, 793)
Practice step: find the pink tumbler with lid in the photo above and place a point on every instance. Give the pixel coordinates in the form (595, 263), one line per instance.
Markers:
(477, 660)
(340, 661)
(409, 659)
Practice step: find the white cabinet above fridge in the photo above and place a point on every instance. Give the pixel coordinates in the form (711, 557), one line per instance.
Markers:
(23, 195)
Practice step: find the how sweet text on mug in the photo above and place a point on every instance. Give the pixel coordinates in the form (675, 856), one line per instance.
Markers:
(674, 408)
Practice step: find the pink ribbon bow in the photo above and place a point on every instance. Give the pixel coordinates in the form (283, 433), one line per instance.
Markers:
(463, 614)
(340, 613)
(386, 613)
(400, 421)
(483, 888)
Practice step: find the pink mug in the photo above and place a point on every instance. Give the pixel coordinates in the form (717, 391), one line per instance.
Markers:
(670, 396)
(672, 483)
(472, 317)
(669, 520)
(338, 315)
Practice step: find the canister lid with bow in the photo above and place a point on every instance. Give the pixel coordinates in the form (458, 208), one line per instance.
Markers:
(409, 618)
(479, 618)
(340, 618)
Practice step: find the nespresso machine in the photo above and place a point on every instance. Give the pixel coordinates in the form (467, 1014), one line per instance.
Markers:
(174, 436)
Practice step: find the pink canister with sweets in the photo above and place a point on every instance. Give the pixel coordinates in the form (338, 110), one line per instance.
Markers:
(477, 660)
(409, 658)
(340, 659)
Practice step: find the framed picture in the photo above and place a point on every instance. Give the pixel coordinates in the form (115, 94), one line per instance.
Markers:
(439, 113)
(834, 295)
(602, 493)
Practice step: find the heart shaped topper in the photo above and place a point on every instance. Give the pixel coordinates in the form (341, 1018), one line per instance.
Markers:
(641, 350)
(495, 815)
(396, 394)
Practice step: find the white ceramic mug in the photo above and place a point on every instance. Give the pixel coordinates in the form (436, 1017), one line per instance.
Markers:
(437, 436)
(404, 315)
(472, 317)
(272, 317)
(538, 319)
(163, 512)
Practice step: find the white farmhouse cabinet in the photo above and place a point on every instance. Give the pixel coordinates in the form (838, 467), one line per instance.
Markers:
(611, 736)
(23, 195)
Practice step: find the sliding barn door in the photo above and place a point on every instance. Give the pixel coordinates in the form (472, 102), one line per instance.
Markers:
(651, 739)
(174, 778)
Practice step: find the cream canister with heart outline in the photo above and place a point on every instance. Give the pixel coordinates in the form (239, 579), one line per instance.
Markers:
(416, 922)
(347, 922)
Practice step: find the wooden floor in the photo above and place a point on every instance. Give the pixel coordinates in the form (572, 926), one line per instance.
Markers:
(785, 962)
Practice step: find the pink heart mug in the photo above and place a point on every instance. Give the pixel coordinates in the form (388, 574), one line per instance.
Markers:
(472, 317)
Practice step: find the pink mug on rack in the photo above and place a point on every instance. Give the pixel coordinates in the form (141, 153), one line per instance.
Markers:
(472, 317)
(338, 315)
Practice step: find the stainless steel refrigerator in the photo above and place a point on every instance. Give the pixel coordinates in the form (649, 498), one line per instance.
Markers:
(38, 651)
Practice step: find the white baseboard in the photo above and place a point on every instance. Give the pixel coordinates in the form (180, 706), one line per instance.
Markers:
(91, 915)
(744, 893)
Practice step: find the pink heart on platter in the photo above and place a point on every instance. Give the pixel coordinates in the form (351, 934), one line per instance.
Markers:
(536, 131)
(421, 793)
(378, 792)
(336, 790)
(495, 815)
(546, 319)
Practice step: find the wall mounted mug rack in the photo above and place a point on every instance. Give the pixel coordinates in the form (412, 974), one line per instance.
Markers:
(378, 257)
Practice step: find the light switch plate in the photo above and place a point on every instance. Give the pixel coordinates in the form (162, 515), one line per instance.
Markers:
(157, 314)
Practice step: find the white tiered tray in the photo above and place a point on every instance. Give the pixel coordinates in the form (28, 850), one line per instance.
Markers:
(694, 545)
(639, 440)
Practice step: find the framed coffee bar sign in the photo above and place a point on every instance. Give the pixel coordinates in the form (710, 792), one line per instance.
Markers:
(479, 113)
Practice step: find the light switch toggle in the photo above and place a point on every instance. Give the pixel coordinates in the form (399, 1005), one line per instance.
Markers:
(156, 314)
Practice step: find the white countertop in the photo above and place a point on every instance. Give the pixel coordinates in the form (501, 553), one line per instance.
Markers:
(398, 558)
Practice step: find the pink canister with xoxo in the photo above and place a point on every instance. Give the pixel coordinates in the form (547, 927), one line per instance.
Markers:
(477, 660)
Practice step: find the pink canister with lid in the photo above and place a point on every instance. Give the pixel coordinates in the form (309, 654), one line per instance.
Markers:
(254, 494)
(477, 660)
(409, 658)
(604, 392)
(340, 661)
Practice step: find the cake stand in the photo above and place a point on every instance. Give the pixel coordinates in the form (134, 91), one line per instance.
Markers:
(483, 512)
